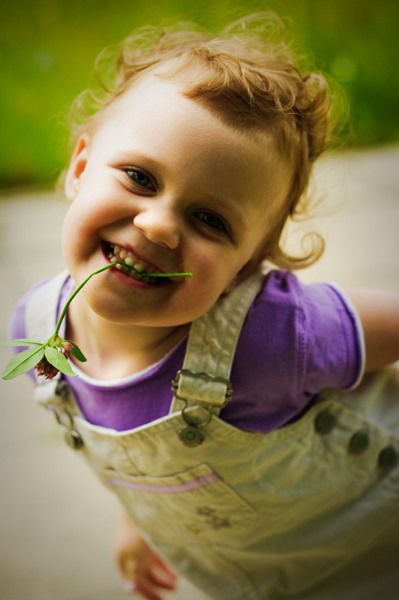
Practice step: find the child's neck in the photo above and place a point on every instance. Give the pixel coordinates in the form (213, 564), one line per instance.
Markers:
(118, 350)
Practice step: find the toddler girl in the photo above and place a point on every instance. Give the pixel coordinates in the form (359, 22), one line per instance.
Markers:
(254, 477)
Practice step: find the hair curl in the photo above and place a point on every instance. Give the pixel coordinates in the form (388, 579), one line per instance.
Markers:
(248, 75)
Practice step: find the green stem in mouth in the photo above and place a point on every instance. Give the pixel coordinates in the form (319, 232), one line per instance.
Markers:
(116, 262)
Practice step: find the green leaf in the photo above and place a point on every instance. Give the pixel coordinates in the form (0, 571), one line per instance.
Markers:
(22, 362)
(76, 352)
(58, 360)
(21, 343)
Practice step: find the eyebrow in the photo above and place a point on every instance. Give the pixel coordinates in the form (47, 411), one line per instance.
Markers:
(126, 157)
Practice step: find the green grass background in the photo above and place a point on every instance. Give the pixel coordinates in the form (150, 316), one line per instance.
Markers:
(48, 47)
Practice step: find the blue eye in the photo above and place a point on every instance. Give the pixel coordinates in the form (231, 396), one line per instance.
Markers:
(212, 221)
(141, 179)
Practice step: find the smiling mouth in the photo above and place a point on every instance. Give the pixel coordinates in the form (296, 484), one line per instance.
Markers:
(133, 267)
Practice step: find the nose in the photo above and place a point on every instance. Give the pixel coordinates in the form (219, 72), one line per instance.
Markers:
(159, 224)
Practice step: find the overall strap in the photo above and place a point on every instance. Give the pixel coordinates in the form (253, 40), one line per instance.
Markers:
(40, 321)
(204, 379)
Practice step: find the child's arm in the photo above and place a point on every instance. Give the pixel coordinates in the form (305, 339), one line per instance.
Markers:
(379, 314)
(144, 570)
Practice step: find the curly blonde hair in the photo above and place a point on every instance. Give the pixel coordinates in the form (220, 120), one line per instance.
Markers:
(247, 75)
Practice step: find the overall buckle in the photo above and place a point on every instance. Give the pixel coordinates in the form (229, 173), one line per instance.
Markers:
(191, 435)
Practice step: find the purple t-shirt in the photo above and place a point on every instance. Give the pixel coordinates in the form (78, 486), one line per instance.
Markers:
(297, 339)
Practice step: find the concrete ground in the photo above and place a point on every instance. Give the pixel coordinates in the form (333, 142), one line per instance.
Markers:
(57, 522)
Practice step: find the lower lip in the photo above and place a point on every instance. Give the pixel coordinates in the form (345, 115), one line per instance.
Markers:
(135, 283)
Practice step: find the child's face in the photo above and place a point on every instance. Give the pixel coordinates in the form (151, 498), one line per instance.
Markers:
(169, 182)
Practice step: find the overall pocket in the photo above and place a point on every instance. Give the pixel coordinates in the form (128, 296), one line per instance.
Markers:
(193, 502)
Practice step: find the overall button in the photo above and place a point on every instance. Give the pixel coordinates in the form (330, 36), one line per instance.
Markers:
(191, 436)
(359, 442)
(325, 421)
(388, 458)
(73, 439)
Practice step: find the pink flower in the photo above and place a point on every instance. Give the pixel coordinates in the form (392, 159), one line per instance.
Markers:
(46, 369)
(66, 348)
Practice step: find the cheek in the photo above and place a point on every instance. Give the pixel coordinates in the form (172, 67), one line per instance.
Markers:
(78, 231)
(68, 230)
(69, 241)
(71, 227)
(211, 277)
(83, 218)
(209, 262)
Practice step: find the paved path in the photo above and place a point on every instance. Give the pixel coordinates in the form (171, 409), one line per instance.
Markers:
(57, 522)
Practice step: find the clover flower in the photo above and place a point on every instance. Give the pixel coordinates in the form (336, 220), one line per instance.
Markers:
(51, 357)
(46, 369)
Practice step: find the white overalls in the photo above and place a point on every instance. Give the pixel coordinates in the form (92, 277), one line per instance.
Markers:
(307, 512)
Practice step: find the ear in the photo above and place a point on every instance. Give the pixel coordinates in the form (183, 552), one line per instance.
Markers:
(77, 166)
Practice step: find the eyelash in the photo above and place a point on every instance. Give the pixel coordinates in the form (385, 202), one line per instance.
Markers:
(222, 223)
(131, 172)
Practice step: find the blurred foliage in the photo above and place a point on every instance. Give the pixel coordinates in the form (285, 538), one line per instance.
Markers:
(48, 48)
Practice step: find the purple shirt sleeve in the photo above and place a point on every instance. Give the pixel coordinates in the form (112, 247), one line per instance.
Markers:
(333, 339)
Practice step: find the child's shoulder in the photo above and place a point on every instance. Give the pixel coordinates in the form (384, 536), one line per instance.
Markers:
(285, 289)
(310, 329)
(17, 325)
(315, 310)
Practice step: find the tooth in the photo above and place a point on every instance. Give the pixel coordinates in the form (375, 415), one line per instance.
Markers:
(119, 267)
(122, 254)
(129, 260)
(140, 267)
(117, 249)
